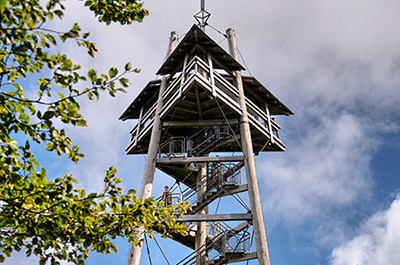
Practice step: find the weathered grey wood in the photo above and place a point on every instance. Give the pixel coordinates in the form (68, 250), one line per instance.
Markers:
(210, 64)
(241, 188)
(240, 227)
(231, 171)
(139, 124)
(201, 234)
(199, 123)
(183, 74)
(211, 110)
(198, 104)
(269, 122)
(249, 256)
(188, 160)
(185, 110)
(254, 194)
(215, 217)
(148, 175)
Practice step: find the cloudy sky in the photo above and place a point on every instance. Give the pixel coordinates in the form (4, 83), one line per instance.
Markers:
(334, 196)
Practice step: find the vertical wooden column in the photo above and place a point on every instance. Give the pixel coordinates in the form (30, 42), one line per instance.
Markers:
(201, 234)
(245, 136)
(150, 166)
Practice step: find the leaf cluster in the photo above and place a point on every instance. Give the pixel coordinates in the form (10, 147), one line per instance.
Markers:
(45, 215)
(122, 11)
(54, 221)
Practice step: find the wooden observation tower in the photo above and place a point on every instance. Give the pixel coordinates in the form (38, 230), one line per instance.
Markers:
(190, 124)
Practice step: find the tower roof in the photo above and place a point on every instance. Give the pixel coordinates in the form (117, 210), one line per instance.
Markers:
(196, 41)
(147, 96)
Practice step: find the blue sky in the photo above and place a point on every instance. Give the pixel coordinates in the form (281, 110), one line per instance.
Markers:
(334, 196)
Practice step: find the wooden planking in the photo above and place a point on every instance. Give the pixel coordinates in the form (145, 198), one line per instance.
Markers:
(199, 123)
(248, 256)
(215, 217)
(188, 160)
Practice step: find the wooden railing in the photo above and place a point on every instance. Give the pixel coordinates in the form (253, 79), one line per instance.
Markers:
(219, 87)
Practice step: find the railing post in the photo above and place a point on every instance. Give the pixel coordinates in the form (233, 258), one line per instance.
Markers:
(139, 124)
(183, 75)
(269, 123)
(212, 80)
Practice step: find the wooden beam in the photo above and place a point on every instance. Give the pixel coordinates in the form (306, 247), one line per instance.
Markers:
(241, 227)
(196, 91)
(175, 114)
(211, 110)
(187, 101)
(150, 166)
(249, 256)
(196, 36)
(222, 66)
(241, 188)
(252, 182)
(188, 160)
(230, 141)
(201, 233)
(214, 217)
(201, 123)
(186, 110)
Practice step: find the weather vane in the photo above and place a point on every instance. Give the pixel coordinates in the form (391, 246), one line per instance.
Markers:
(202, 16)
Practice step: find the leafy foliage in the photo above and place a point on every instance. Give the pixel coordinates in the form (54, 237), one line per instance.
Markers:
(122, 11)
(49, 217)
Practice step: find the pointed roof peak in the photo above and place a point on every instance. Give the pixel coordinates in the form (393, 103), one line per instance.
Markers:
(197, 39)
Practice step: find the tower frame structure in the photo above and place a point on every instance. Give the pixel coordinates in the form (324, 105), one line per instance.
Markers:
(202, 109)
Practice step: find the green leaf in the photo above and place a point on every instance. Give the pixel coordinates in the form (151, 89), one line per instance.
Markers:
(92, 75)
(38, 200)
(49, 146)
(53, 219)
(124, 82)
(113, 72)
(3, 4)
(48, 115)
(132, 191)
(128, 66)
(59, 13)
(13, 145)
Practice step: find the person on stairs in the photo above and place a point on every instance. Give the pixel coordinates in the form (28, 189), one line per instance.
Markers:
(167, 196)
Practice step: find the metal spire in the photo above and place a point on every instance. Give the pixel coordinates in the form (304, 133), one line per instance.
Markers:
(202, 16)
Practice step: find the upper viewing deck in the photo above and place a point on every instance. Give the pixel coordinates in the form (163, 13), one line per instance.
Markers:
(201, 94)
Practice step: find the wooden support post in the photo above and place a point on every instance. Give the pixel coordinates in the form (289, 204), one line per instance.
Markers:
(269, 123)
(198, 104)
(215, 217)
(211, 69)
(148, 175)
(199, 159)
(139, 124)
(254, 194)
(201, 235)
(183, 74)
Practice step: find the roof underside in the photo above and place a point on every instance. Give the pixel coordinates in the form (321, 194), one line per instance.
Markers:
(147, 97)
(254, 90)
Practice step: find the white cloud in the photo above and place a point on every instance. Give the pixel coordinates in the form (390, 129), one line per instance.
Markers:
(377, 243)
(19, 258)
(336, 65)
(326, 166)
